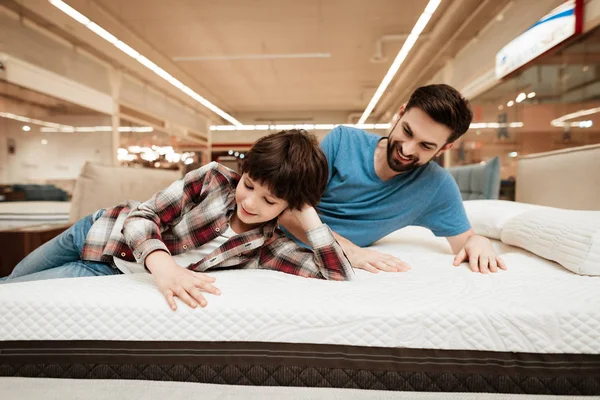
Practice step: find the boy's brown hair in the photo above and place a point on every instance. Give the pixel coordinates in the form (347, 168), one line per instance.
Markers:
(291, 164)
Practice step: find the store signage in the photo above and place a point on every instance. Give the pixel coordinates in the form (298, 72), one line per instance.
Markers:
(560, 24)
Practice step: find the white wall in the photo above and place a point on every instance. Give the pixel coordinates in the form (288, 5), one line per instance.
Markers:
(61, 158)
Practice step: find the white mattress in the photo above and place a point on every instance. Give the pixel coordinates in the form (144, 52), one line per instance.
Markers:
(536, 306)
(16, 214)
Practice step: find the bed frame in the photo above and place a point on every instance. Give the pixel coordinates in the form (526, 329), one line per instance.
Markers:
(568, 178)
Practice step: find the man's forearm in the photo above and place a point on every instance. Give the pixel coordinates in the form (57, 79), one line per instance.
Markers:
(458, 242)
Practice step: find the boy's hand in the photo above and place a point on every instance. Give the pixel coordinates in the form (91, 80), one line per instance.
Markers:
(307, 217)
(172, 280)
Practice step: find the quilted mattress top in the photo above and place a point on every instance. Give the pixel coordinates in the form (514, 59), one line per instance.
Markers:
(536, 306)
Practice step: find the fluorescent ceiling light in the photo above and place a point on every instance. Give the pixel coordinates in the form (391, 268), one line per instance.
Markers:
(126, 49)
(577, 114)
(531, 95)
(253, 57)
(97, 29)
(521, 97)
(406, 47)
(495, 125)
(578, 124)
(510, 103)
(64, 7)
(316, 127)
(33, 121)
(433, 4)
(421, 24)
(560, 122)
(70, 11)
(99, 129)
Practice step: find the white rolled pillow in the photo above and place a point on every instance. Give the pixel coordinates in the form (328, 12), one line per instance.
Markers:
(569, 237)
(488, 217)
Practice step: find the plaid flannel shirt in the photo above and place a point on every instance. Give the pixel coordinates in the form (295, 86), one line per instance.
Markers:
(196, 209)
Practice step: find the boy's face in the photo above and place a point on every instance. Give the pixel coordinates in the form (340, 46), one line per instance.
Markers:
(255, 202)
(415, 140)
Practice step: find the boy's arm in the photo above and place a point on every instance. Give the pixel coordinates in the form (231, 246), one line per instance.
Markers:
(361, 258)
(325, 259)
(143, 227)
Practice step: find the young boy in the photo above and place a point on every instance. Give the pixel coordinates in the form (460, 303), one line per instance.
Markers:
(212, 218)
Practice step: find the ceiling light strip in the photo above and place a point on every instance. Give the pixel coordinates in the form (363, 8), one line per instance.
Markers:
(99, 129)
(253, 57)
(104, 34)
(402, 54)
(577, 114)
(34, 121)
(308, 127)
(495, 125)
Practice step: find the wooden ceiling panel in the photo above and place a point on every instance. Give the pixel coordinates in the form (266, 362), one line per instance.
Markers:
(345, 29)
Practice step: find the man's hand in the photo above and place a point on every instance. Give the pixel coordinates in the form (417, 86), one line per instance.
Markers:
(370, 260)
(374, 261)
(173, 280)
(481, 255)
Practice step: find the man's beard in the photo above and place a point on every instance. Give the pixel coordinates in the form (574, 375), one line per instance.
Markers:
(396, 165)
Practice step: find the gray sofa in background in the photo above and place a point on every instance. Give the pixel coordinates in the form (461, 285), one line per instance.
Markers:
(478, 181)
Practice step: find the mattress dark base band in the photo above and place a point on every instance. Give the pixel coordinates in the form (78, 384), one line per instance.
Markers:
(308, 365)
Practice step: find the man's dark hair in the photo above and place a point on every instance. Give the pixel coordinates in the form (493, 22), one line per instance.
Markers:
(291, 164)
(444, 105)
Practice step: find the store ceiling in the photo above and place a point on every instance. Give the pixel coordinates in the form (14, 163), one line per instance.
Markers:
(287, 56)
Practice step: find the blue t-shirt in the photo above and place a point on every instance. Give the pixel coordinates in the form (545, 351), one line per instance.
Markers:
(363, 208)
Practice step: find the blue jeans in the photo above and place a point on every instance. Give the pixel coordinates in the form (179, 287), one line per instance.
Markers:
(61, 257)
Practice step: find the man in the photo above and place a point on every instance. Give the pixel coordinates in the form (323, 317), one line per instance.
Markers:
(379, 185)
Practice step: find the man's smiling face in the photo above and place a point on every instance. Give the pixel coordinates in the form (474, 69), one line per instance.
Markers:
(415, 140)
